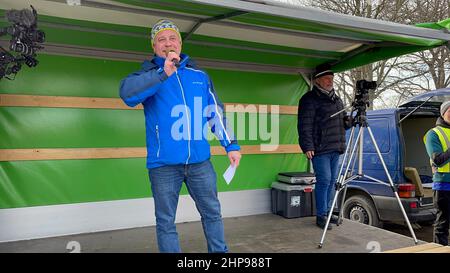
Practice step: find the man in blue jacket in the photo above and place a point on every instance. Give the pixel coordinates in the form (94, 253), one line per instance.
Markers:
(437, 143)
(179, 105)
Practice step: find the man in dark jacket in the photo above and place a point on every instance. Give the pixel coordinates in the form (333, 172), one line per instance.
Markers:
(438, 148)
(322, 138)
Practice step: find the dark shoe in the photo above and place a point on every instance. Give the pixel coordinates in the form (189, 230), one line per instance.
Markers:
(334, 219)
(321, 221)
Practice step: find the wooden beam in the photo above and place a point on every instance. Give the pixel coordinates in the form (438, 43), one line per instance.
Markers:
(442, 249)
(116, 103)
(130, 152)
(63, 102)
(414, 249)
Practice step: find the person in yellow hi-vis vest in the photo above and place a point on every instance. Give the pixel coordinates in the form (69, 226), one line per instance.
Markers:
(437, 143)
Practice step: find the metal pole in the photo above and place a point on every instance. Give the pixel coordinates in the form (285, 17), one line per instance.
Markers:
(392, 186)
(360, 159)
(344, 194)
(347, 149)
(341, 178)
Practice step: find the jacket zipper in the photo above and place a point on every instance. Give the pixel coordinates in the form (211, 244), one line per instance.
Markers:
(187, 116)
(159, 143)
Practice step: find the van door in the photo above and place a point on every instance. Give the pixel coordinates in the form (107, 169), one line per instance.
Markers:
(417, 116)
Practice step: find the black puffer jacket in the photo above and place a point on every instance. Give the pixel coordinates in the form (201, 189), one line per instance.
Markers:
(317, 131)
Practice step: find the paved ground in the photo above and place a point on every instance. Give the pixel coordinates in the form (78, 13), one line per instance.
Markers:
(266, 233)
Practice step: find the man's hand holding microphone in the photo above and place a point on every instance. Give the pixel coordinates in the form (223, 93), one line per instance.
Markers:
(172, 62)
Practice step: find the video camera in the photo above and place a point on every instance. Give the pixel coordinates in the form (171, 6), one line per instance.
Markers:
(362, 93)
(25, 41)
(361, 101)
(366, 85)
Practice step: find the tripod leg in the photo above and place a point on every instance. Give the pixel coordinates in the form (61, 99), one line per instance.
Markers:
(392, 185)
(344, 194)
(328, 219)
(347, 149)
(342, 177)
(341, 207)
(341, 180)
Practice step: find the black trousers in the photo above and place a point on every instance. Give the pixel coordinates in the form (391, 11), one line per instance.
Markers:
(441, 225)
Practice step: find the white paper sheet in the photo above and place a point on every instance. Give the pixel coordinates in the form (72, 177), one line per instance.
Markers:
(229, 174)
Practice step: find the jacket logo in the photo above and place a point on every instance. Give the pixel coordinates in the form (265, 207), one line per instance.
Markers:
(200, 83)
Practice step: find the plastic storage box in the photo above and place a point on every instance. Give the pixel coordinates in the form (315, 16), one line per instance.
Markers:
(302, 178)
(292, 201)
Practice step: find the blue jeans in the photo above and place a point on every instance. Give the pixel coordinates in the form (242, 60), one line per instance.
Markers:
(200, 180)
(326, 169)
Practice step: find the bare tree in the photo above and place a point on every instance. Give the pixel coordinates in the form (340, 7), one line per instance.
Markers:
(431, 67)
(437, 60)
(402, 77)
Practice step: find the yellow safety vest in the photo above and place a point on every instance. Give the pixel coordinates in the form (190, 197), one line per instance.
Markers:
(444, 138)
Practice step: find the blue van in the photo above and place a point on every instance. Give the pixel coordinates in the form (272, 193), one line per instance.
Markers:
(400, 141)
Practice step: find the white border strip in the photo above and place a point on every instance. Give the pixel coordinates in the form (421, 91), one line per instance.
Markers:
(59, 220)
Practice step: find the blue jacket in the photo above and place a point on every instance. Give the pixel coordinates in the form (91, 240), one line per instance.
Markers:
(178, 110)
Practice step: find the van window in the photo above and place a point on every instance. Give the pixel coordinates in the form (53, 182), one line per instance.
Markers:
(381, 133)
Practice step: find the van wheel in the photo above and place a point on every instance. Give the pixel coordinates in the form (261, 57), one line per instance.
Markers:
(361, 209)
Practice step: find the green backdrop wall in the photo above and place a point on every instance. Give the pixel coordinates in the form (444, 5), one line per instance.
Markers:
(49, 182)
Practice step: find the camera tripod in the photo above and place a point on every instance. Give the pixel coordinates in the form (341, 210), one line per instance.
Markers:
(360, 120)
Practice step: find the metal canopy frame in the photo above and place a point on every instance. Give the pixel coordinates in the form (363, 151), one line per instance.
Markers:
(212, 19)
(218, 19)
(326, 17)
(344, 41)
(352, 23)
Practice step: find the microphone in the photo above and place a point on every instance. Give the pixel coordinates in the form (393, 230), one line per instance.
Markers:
(174, 60)
(176, 63)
